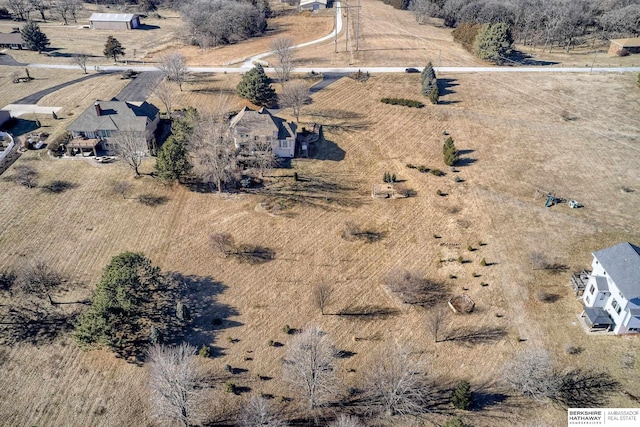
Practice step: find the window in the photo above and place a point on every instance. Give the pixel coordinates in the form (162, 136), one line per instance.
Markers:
(283, 144)
(634, 330)
(592, 289)
(616, 306)
(587, 299)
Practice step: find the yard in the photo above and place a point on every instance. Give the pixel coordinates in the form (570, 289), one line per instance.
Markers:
(513, 140)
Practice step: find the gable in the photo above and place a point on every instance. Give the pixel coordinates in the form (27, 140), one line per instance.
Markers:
(622, 264)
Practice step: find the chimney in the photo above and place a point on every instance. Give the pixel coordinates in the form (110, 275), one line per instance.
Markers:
(98, 110)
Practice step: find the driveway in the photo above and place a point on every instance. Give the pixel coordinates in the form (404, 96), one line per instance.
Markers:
(139, 89)
(37, 96)
(9, 61)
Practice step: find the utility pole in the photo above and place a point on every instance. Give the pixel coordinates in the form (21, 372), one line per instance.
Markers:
(335, 39)
(346, 38)
(358, 26)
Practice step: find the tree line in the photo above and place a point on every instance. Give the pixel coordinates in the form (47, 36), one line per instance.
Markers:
(543, 23)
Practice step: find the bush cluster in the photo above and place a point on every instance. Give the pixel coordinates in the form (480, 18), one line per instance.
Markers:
(402, 101)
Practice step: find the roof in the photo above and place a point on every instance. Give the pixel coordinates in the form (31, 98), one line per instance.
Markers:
(597, 316)
(261, 123)
(115, 115)
(11, 38)
(112, 17)
(305, 2)
(622, 264)
(629, 42)
(603, 285)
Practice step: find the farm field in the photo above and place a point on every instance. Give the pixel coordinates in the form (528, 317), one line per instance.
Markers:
(517, 134)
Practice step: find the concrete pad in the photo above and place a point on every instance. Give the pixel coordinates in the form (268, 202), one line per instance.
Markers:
(19, 109)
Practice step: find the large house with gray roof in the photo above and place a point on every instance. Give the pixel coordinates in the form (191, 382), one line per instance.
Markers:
(105, 119)
(251, 128)
(612, 293)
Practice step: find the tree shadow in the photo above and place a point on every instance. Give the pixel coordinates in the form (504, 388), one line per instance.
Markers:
(368, 312)
(465, 161)
(470, 337)
(327, 79)
(588, 388)
(18, 126)
(325, 149)
(253, 254)
(206, 315)
(521, 58)
(152, 200)
(35, 323)
(445, 87)
(58, 186)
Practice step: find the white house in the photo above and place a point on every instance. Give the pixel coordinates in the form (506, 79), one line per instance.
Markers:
(313, 4)
(255, 128)
(612, 294)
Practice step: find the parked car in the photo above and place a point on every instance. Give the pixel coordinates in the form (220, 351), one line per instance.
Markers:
(411, 70)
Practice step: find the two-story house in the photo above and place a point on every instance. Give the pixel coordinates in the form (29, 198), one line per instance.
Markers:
(612, 293)
(250, 128)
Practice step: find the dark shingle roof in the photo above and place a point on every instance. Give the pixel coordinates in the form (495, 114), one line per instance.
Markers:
(261, 123)
(622, 264)
(115, 115)
(11, 38)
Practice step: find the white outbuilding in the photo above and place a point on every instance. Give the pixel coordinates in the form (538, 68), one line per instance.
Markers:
(114, 21)
(313, 5)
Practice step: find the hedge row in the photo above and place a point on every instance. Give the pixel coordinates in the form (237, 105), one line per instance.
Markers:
(402, 101)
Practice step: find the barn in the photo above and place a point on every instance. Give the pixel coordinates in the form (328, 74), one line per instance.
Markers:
(313, 5)
(623, 47)
(114, 21)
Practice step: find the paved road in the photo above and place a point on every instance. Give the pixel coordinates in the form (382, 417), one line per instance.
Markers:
(249, 62)
(8, 60)
(35, 97)
(139, 89)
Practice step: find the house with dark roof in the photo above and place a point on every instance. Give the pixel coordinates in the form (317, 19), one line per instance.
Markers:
(623, 47)
(105, 119)
(251, 128)
(114, 21)
(12, 40)
(612, 293)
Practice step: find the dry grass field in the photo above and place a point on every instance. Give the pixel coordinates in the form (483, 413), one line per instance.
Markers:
(513, 141)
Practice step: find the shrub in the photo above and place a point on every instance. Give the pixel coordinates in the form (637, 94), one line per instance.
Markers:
(483, 262)
(288, 329)
(423, 169)
(389, 177)
(402, 101)
(271, 343)
(572, 349)
(483, 284)
(434, 95)
(205, 351)
(228, 368)
(410, 166)
(465, 34)
(26, 176)
(454, 422)
(436, 172)
(470, 248)
(461, 397)
(230, 387)
(460, 259)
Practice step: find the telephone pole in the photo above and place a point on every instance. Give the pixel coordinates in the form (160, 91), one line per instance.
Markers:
(357, 29)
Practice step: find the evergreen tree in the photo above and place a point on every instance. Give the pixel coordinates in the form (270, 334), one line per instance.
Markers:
(493, 42)
(116, 318)
(434, 94)
(255, 87)
(33, 37)
(428, 79)
(461, 397)
(173, 160)
(113, 48)
(450, 152)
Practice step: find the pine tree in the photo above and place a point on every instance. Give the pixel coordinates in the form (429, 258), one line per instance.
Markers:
(255, 87)
(461, 397)
(493, 42)
(113, 48)
(428, 79)
(33, 37)
(450, 152)
(173, 160)
(434, 95)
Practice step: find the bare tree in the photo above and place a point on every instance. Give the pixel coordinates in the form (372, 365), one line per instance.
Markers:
(66, 9)
(80, 59)
(321, 295)
(173, 382)
(40, 6)
(259, 412)
(413, 288)
(131, 146)
(309, 366)
(396, 382)
(282, 46)
(437, 323)
(21, 7)
(26, 176)
(122, 188)
(37, 278)
(259, 154)
(213, 151)
(347, 421)
(295, 95)
(174, 67)
(531, 373)
(223, 243)
(165, 94)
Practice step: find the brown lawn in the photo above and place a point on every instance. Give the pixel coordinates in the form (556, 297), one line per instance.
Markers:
(513, 141)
